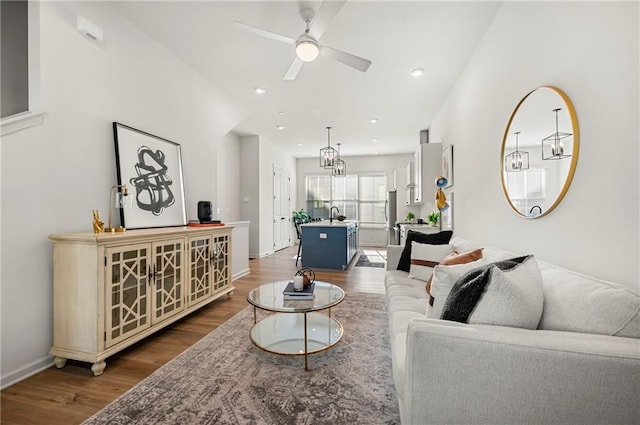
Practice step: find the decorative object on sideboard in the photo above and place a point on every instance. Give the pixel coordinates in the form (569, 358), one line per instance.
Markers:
(98, 226)
(517, 160)
(553, 145)
(328, 154)
(538, 190)
(410, 217)
(339, 167)
(153, 167)
(447, 165)
(117, 199)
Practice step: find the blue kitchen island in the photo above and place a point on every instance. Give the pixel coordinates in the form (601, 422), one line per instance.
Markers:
(329, 245)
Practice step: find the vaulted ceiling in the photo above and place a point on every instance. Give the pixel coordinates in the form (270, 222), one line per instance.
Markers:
(397, 36)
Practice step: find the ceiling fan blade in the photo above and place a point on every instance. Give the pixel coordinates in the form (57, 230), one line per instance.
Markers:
(264, 33)
(328, 10)
(293, 70)
(353, 61)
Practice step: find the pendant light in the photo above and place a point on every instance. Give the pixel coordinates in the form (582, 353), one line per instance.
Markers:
(553, 146)
(516, 160)
(328, 154)
(340, 167)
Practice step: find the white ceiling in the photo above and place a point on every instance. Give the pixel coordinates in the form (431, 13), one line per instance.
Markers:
(397, 36)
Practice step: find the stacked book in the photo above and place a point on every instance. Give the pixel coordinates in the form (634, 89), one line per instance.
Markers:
(305, 293)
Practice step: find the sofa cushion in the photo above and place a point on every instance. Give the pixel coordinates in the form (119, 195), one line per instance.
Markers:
(577, 303)
(444, 277)
(399, 320)
(424, 257)
(440, 238)
(506, 293)
(406, 303)
(453, 259)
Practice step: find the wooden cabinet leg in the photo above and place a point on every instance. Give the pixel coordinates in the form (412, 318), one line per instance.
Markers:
(98, 367)
(60, 362)
(229, 294)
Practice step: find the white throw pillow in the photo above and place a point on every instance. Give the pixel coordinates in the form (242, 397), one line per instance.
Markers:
(425, 257)
(507, 293)
(444, 277)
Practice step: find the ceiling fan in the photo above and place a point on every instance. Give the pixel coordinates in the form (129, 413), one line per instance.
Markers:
(307, 46)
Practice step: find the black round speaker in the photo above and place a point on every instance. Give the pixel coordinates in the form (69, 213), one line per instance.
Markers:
(205, 211)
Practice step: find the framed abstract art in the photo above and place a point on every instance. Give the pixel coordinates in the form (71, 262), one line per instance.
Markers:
(151, 169)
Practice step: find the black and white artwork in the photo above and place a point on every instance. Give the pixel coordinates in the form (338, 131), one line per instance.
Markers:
(151, 168)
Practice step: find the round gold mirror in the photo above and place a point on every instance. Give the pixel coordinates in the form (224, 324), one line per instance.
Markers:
(539, 152)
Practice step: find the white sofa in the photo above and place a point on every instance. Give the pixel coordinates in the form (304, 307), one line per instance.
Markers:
(453, 373)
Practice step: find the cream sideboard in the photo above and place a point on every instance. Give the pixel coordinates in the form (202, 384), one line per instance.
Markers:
(112, 290)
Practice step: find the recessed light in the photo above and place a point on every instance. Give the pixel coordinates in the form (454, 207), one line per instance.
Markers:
(376, 153)
(259, 90)
(373, 120)
(280, 112)
(417, 72)
(374, 140)
(300, 144)
(281, 127)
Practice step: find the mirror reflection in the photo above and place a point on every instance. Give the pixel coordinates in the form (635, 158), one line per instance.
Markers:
(539, 152)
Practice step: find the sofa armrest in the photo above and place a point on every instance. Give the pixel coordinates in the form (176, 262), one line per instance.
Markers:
(458, 373)
(393, 256)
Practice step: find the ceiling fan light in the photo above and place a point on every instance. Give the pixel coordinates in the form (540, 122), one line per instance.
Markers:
(307, 49)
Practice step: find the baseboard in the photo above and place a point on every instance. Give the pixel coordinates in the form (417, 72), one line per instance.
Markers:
(25, 372)
(240, 274)
(261, 255)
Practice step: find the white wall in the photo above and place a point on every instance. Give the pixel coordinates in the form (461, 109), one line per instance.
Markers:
(54, 174)
(589, 50)
(258, 156)
(228, 173)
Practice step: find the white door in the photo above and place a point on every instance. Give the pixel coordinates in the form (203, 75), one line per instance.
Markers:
(281, 213)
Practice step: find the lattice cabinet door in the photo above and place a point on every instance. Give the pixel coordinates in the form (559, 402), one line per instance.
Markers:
(200, 271)
(220, 259)
(127, 297)
(168, 279)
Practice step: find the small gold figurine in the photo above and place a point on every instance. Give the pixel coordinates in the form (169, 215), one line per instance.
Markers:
(98, 225)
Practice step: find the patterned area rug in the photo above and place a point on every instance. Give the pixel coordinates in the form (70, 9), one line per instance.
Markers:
(371, 259)
(224, 379)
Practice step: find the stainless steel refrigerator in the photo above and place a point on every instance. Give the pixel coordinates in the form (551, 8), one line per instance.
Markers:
(391, 216)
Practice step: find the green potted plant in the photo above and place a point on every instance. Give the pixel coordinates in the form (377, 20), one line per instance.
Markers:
(410, 217)
(433, 218)
(301, 216)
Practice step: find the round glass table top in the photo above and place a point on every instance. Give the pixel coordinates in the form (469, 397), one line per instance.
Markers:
(269, 297)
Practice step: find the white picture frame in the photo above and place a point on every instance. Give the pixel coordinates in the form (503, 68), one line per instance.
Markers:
(151, 168)
(447, 165)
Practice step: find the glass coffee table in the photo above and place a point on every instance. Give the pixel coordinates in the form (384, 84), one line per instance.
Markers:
(296, 328)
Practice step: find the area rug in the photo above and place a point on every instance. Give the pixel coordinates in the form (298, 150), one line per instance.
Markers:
(371, 260)
(225, 379)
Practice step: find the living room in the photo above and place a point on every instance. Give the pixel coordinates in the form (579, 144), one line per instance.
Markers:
(64, 167)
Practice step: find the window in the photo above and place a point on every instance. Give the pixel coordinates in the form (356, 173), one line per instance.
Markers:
(358, 196)
(373, 195)
(20, 74)
(527, 189)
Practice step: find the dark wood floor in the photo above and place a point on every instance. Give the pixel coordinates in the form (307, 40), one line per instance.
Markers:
(72, 394)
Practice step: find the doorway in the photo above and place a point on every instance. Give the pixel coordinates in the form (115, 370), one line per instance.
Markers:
(281, 206)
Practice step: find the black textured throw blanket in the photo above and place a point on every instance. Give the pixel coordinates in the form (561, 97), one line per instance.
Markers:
(468, 290)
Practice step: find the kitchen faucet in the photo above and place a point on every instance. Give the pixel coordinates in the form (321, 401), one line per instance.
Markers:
(331, 213)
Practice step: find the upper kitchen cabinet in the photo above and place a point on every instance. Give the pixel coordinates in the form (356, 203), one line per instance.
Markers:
(427, 166)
